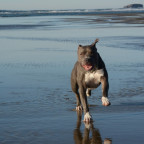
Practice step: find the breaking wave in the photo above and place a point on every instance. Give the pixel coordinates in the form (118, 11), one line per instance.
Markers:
(21, 13)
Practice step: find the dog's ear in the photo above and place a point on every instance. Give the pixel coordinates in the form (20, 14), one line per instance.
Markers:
(93, 44)
(97, 40)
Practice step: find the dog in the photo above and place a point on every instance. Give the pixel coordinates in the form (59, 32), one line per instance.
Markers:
(88, 73)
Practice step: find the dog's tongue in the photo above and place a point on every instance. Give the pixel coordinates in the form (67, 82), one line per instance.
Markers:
(87, 67)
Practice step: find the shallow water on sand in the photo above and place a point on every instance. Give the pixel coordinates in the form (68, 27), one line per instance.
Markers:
(36, 101)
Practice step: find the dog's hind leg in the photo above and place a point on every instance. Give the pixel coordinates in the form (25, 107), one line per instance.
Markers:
(78, 107)
(78, 104)
(88, 92)
(75, 90)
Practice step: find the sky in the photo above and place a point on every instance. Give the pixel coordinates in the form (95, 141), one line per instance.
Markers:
(64, 4)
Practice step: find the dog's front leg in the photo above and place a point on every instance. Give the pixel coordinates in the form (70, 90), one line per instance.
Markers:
(83, 97)
(105, 88)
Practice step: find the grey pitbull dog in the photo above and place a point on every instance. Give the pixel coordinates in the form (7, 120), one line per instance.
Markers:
(88, 73)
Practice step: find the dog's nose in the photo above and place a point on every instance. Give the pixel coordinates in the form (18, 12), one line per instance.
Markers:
(88, 59)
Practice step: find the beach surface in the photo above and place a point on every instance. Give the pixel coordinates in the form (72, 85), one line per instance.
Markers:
(37, 56)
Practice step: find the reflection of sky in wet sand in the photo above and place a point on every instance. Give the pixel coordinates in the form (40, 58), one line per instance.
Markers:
(36, 101)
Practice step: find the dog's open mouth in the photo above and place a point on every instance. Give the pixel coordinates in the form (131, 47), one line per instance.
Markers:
(87, 67)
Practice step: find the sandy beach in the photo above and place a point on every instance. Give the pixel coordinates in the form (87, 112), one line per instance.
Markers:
(37, 56)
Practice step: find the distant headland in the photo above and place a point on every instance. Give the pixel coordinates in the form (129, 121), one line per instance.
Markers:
(134, 6)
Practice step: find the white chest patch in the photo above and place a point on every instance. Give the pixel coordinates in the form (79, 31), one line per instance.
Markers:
(94, 76)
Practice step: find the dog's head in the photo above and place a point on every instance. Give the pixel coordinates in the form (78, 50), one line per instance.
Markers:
(87, 56)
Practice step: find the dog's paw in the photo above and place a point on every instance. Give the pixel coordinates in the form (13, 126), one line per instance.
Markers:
(105, 101)
(87, 118)
(107, 141)
(88, 93)
(78, 108)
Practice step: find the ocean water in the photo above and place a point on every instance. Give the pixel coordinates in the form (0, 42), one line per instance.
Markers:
(70, 12)
(37, 53)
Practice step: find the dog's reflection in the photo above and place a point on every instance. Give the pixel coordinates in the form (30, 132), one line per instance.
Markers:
(85, 138)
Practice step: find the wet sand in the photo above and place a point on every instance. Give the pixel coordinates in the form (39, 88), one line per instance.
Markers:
(111, 18)
(36, 101)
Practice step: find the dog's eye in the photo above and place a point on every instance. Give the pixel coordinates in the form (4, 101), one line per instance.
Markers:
(91, 53)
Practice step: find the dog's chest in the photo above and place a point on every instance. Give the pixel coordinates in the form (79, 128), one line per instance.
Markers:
(92, 79)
